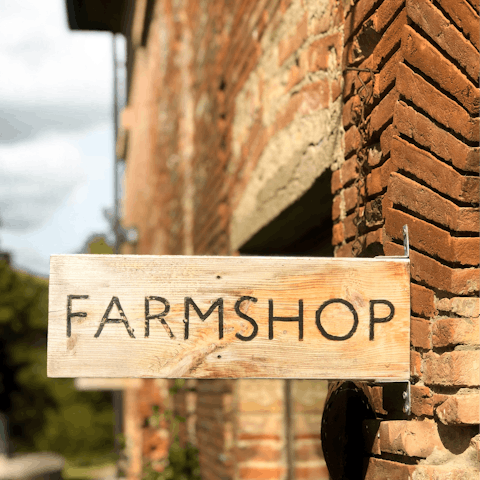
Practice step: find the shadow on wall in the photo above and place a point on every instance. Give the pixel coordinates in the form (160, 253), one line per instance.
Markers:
(302, 229)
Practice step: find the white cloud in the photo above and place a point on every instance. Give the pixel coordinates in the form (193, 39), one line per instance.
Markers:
(55, 132)
(36, 177)
(47, 69)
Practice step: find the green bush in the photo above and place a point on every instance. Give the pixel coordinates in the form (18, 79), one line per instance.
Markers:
(44, 413)
(182, 462)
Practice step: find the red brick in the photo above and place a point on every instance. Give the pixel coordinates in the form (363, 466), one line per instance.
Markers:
(380, 469)
(376, 394)
(420, 333)
(421, 400)
(422, 55)
(319, 472)
(384, 48)
(351, 112)
(439, 398)
(336, 206)
(374, 156)
(353, 141)
(349, 228)
(415, 364)
(422, 301)
(310, 98)
(475, 443)
(357, 15)
(420, 199)
(459, 281)
(436, 104)
(464, 17)
(351, 78)
(456, 331)
(338, 13)
(386, 140)
(284, 4)
(318, 52)
(457, 368)
(433, 240)
(431, 20)
(444, 144)
(364, 241)
(446, 180)
(349, 170)
(444, 472)
(295, 76)
(350, 196)
(383, 113)
(460, 410)
(306, 450)
(461, 306)
(377, 179)
(289, 45)
(336, 182)
(412, 438)
(336, 88)
(344, 250)
(317, 26)
(314, 96)
(338, 233)
(388, 74)
(375, 236)
(389, 40)
(259, 452)
(261, 473)
(475, 5)
(385, 13)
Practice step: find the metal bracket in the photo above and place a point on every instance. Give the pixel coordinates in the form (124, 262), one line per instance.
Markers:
(407, 406)
(406, 245)
(404, 387)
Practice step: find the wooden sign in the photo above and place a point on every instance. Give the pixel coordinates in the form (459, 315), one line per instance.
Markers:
(229, 317)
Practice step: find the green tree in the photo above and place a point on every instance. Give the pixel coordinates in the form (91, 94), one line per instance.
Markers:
(44, 413)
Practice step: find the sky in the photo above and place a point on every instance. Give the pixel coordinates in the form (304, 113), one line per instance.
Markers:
(56, 133)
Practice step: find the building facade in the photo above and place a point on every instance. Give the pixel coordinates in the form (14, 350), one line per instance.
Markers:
(320, 128)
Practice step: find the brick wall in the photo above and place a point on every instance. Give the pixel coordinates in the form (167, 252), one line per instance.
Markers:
(412, 157)
(146, 430)
(234, 111)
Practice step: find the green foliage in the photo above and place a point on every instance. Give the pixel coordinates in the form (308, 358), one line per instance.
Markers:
(44, 413)
(99, 246)
(182, 462)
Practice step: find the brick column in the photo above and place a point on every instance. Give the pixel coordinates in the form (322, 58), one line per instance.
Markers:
(412, 157)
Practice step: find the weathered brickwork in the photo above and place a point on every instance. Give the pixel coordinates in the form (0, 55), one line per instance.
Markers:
(235, 109)
(146, 431)
(412, 158)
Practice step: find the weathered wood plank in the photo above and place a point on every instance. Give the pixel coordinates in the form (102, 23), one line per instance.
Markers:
(335, 317)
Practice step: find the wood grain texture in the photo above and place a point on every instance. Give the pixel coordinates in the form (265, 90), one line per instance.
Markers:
(280, 286)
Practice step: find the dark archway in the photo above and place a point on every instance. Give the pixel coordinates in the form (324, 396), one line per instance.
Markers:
(343, 440)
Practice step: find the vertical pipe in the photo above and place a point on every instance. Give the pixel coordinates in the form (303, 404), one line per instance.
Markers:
(116, 220)
(116, 395)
